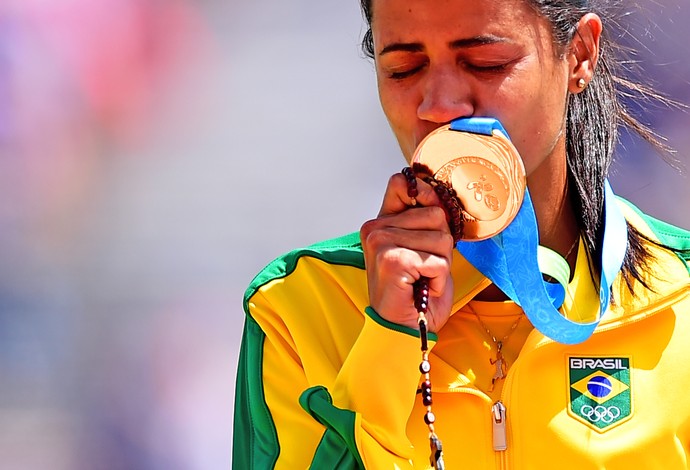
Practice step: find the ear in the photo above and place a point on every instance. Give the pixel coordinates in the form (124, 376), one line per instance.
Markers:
(584, 52)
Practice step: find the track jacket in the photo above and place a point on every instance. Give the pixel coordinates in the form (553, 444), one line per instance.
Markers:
(324, 382)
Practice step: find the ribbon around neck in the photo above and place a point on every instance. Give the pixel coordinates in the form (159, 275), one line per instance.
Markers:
(511, 259)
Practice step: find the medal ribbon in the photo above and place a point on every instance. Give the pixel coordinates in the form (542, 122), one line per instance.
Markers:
(514, 261)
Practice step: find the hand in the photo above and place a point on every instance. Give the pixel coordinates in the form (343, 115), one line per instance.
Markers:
(402, 244)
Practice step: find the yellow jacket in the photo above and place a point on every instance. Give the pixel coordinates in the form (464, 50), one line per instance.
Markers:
(324, 382)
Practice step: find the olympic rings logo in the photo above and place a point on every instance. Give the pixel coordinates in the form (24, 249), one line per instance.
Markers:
(600, 413)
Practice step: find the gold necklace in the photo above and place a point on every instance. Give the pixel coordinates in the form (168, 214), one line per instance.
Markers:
(500, 361)
(572, 247)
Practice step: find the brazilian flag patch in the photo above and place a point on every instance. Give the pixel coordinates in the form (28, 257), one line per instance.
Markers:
(599, 391)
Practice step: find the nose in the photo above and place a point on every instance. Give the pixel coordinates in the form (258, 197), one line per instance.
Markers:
(446, 95)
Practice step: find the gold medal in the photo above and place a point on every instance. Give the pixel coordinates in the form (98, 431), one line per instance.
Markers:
(485, 171)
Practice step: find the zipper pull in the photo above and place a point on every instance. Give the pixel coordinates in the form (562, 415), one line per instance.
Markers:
(498, 416)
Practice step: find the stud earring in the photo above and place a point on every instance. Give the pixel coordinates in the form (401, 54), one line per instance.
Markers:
(581, 83)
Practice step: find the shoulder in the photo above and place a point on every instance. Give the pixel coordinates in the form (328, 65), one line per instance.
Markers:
(665, 272)
(344, 251)
(673, 237)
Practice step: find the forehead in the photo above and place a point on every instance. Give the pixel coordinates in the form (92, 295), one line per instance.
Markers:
(415, 20)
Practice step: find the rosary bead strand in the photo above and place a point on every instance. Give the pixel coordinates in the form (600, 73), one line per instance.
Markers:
(456, 217)
(421, 299)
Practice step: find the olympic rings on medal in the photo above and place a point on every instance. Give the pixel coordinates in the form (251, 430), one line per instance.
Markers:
(600, 413)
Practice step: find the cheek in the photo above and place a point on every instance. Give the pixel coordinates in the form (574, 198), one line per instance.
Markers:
(537, 141)
(535, 119)
(400, 109)
(394, 100)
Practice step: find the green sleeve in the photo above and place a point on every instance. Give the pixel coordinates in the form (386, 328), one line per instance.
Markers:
(255, 442)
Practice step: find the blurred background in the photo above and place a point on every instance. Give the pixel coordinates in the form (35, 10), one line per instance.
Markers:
(154, 155)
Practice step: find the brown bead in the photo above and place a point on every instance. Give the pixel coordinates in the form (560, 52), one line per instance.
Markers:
(423, 336)
(429, 418)
(425, 367)
(412, 190)
(420, 293)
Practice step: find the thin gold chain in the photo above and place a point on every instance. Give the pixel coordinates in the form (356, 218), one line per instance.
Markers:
(572, 247)
(499, 361)
(503, 340)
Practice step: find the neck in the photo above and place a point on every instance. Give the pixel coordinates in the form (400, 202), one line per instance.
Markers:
(557, 225)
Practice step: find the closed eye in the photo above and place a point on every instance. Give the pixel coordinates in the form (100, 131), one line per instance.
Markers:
(488, 68)
(399, 75)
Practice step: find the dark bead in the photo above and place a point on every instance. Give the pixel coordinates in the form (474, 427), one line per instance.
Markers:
(425, 367)
(426, 400)
(429, 418)
(411, 182)
(420, 293)
(426, 385)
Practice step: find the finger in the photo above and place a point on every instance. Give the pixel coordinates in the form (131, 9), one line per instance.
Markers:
(418, 218)
(402, 268)
(435, 242)
(396, 198)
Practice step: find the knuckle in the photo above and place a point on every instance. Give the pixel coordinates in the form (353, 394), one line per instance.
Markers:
(427, 192)
(373, 233)
(374, 236)
(438, 265)
(389, 261)
(446, 239)
(396, 180)
(437, 212)
(366, 229)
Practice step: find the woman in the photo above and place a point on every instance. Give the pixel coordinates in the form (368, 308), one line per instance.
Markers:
(329, 370)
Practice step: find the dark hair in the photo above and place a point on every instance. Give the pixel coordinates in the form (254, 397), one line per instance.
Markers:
(594, 119)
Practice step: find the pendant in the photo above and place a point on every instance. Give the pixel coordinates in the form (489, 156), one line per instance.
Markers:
(501, 367)
(436, 458)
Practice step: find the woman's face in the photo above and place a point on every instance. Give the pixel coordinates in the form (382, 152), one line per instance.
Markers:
(437, 60)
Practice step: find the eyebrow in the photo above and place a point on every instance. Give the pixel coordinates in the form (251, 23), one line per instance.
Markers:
(457, 44)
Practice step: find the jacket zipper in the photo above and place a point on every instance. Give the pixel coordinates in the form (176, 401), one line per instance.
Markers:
(498, 416)
(500, 438)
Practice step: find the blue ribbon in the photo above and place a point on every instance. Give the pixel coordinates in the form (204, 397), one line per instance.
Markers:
(509, 259)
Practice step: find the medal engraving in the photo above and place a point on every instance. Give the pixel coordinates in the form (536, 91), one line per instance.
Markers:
(485, 171)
